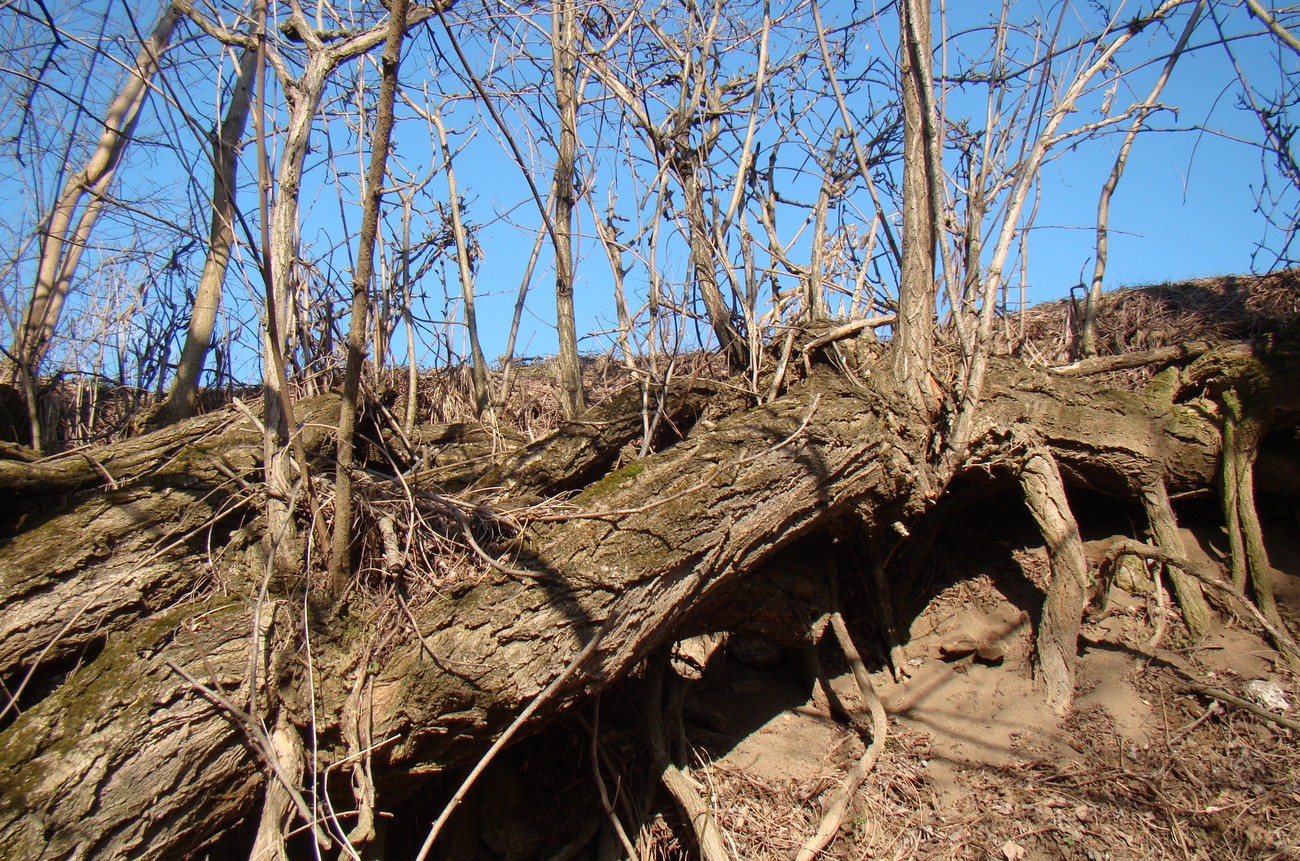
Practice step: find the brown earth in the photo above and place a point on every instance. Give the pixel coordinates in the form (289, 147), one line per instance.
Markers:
(976, 765)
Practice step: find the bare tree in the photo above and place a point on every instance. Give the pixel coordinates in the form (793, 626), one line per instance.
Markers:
(760, 172)
(1088, 332)
(358, 325)
(922, 142)
(66, 230)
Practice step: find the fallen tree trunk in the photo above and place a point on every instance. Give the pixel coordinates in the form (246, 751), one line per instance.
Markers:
(127, 759)
(658, 549)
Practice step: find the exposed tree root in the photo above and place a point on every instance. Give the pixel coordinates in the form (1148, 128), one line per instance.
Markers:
(694, 809)
(1250, 565)
(358, 733)
(1164, 529)
(606, 803)
(1277, 632)
(277, 815)
(1162, 615)
(838, 805)
(889, 621)
(1058, 635)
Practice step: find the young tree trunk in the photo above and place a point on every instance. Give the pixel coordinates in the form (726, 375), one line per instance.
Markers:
(182, 398)
(704, 263)
(565, 70)
(1164, 529)
(340, 556)
(1088, 333)
(916, 292)
(477, 361)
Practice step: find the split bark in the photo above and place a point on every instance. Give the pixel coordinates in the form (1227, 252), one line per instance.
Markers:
(646, 554)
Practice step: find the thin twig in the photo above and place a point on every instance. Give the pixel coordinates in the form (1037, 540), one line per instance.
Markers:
(257, 735)
(605, 802)
(1238, 702)
(538, 701)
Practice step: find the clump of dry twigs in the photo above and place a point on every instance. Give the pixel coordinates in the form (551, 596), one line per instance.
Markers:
(1229, 307)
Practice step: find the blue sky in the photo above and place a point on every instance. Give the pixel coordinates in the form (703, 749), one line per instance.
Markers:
(1184, 208)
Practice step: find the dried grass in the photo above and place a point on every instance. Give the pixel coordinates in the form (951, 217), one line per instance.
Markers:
(1230, 307)
(82, 410)
(1225, 788)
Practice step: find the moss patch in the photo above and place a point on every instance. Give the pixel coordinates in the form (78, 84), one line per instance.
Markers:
(611, 482)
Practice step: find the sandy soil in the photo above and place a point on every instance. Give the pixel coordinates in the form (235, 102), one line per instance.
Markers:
(977, 766)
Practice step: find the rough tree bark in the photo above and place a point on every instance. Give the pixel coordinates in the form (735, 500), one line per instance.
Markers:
(564, 194)
(177, 684)
(916, 293)
(1040, 479)
(359, 323)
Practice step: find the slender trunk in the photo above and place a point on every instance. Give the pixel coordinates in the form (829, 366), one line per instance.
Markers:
(182, 399)
(916, 291)
(704, 260)
(278, 215)
(607, 232)
(508, 357)
(563, 199)
(1088, 335)
(477, 361)
(815, 300)
(408, 319)
(340, 558)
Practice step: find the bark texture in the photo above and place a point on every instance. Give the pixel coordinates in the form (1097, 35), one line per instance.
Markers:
(127, 760)
(188, 645)
(1058, 642)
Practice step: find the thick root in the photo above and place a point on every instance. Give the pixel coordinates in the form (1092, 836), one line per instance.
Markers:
(1164, 529)
(1058, 635)
(694, 809)
(278, 811)
(1249, 561)
(839, 803)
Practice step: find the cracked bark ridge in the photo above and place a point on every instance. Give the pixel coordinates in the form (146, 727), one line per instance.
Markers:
(669, 547)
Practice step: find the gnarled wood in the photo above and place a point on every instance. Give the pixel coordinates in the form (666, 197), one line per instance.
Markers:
(647, 554)
(1058, 636)
(127, 760)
